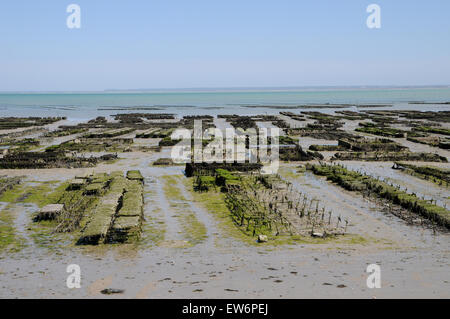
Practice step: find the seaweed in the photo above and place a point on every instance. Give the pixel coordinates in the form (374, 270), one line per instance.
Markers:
(7, 183)
(135, 175)
(196, 169)
(370, 145)
(109, 133)
(435, 174)
(382, 131)
(102, 216)
(50, 159)
(65, 132)
(436, 130)
(326, 148)
(389, 156)
(354, 181)
(20, 122)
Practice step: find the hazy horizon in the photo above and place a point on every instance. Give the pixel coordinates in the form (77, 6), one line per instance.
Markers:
(238, 89)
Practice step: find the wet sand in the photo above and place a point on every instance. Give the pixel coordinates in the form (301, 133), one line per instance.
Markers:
(414, 261)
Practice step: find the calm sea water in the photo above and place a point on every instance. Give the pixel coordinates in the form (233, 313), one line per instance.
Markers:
(82, 106)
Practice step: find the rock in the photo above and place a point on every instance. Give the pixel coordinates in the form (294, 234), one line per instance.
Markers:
(317, 234)
(262, 239)
(76, 183)
(50, 212)
(110, 291)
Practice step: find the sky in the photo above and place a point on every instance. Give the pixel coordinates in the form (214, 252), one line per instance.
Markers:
(230, 43)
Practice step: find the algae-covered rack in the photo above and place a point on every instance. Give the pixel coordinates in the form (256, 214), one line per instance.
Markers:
(118, 214)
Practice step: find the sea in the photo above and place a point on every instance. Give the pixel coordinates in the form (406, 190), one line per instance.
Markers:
(81, 106)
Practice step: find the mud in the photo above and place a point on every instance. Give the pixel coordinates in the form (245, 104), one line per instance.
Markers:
(186, 252)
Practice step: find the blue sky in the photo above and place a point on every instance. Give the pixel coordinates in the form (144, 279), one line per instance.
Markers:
(247, 43)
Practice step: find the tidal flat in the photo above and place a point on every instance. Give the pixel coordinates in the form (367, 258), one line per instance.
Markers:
(353, 188)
